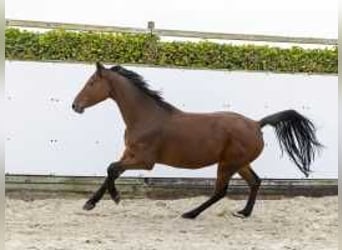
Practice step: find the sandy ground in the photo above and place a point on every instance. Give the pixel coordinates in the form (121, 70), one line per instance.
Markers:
(296, 223)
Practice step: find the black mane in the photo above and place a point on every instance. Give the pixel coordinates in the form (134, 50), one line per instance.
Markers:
(141, 84)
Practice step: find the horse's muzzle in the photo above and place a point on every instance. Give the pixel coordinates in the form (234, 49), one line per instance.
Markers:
(77, 108)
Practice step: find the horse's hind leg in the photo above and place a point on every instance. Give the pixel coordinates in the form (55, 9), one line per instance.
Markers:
(223, 176)
(254, 183)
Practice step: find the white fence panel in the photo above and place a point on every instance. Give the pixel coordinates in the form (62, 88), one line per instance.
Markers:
(44, 136)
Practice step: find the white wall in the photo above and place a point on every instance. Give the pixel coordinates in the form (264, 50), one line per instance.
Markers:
(44, 136)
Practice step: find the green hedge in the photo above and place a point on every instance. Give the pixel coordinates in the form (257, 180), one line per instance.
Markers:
(147, 49)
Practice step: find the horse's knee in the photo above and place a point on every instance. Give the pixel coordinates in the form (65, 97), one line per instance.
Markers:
(110, 168)
(113, 169)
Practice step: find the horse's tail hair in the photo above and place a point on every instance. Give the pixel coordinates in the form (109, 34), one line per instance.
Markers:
(296, 135)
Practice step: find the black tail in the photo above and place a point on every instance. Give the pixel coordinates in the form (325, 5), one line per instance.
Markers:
(296, 134)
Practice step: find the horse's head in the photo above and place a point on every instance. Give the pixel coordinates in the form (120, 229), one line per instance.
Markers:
(96, 89)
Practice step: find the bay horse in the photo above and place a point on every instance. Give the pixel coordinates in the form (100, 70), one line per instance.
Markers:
(158, 132)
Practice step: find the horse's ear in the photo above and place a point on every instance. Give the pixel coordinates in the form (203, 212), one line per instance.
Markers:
(99, 68)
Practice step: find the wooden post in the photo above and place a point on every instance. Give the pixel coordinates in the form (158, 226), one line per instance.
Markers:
(150, 27)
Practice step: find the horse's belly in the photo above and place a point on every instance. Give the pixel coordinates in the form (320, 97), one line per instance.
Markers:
(190, 163)
(190, 155)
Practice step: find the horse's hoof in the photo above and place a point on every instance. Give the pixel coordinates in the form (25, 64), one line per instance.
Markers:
(189, 215)
(116, 198)
(240, 214)
(88, 206)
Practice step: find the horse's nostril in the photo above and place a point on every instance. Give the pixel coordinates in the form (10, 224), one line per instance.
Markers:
(77, 108)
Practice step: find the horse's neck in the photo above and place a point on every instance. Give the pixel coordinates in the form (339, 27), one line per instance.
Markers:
(136, 107)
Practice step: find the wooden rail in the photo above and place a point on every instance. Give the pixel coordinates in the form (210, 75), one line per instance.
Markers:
(164, 187)
(170, 33)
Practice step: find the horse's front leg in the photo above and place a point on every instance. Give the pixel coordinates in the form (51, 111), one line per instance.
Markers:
(97, 196)
(116, 169)
(91, 203)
